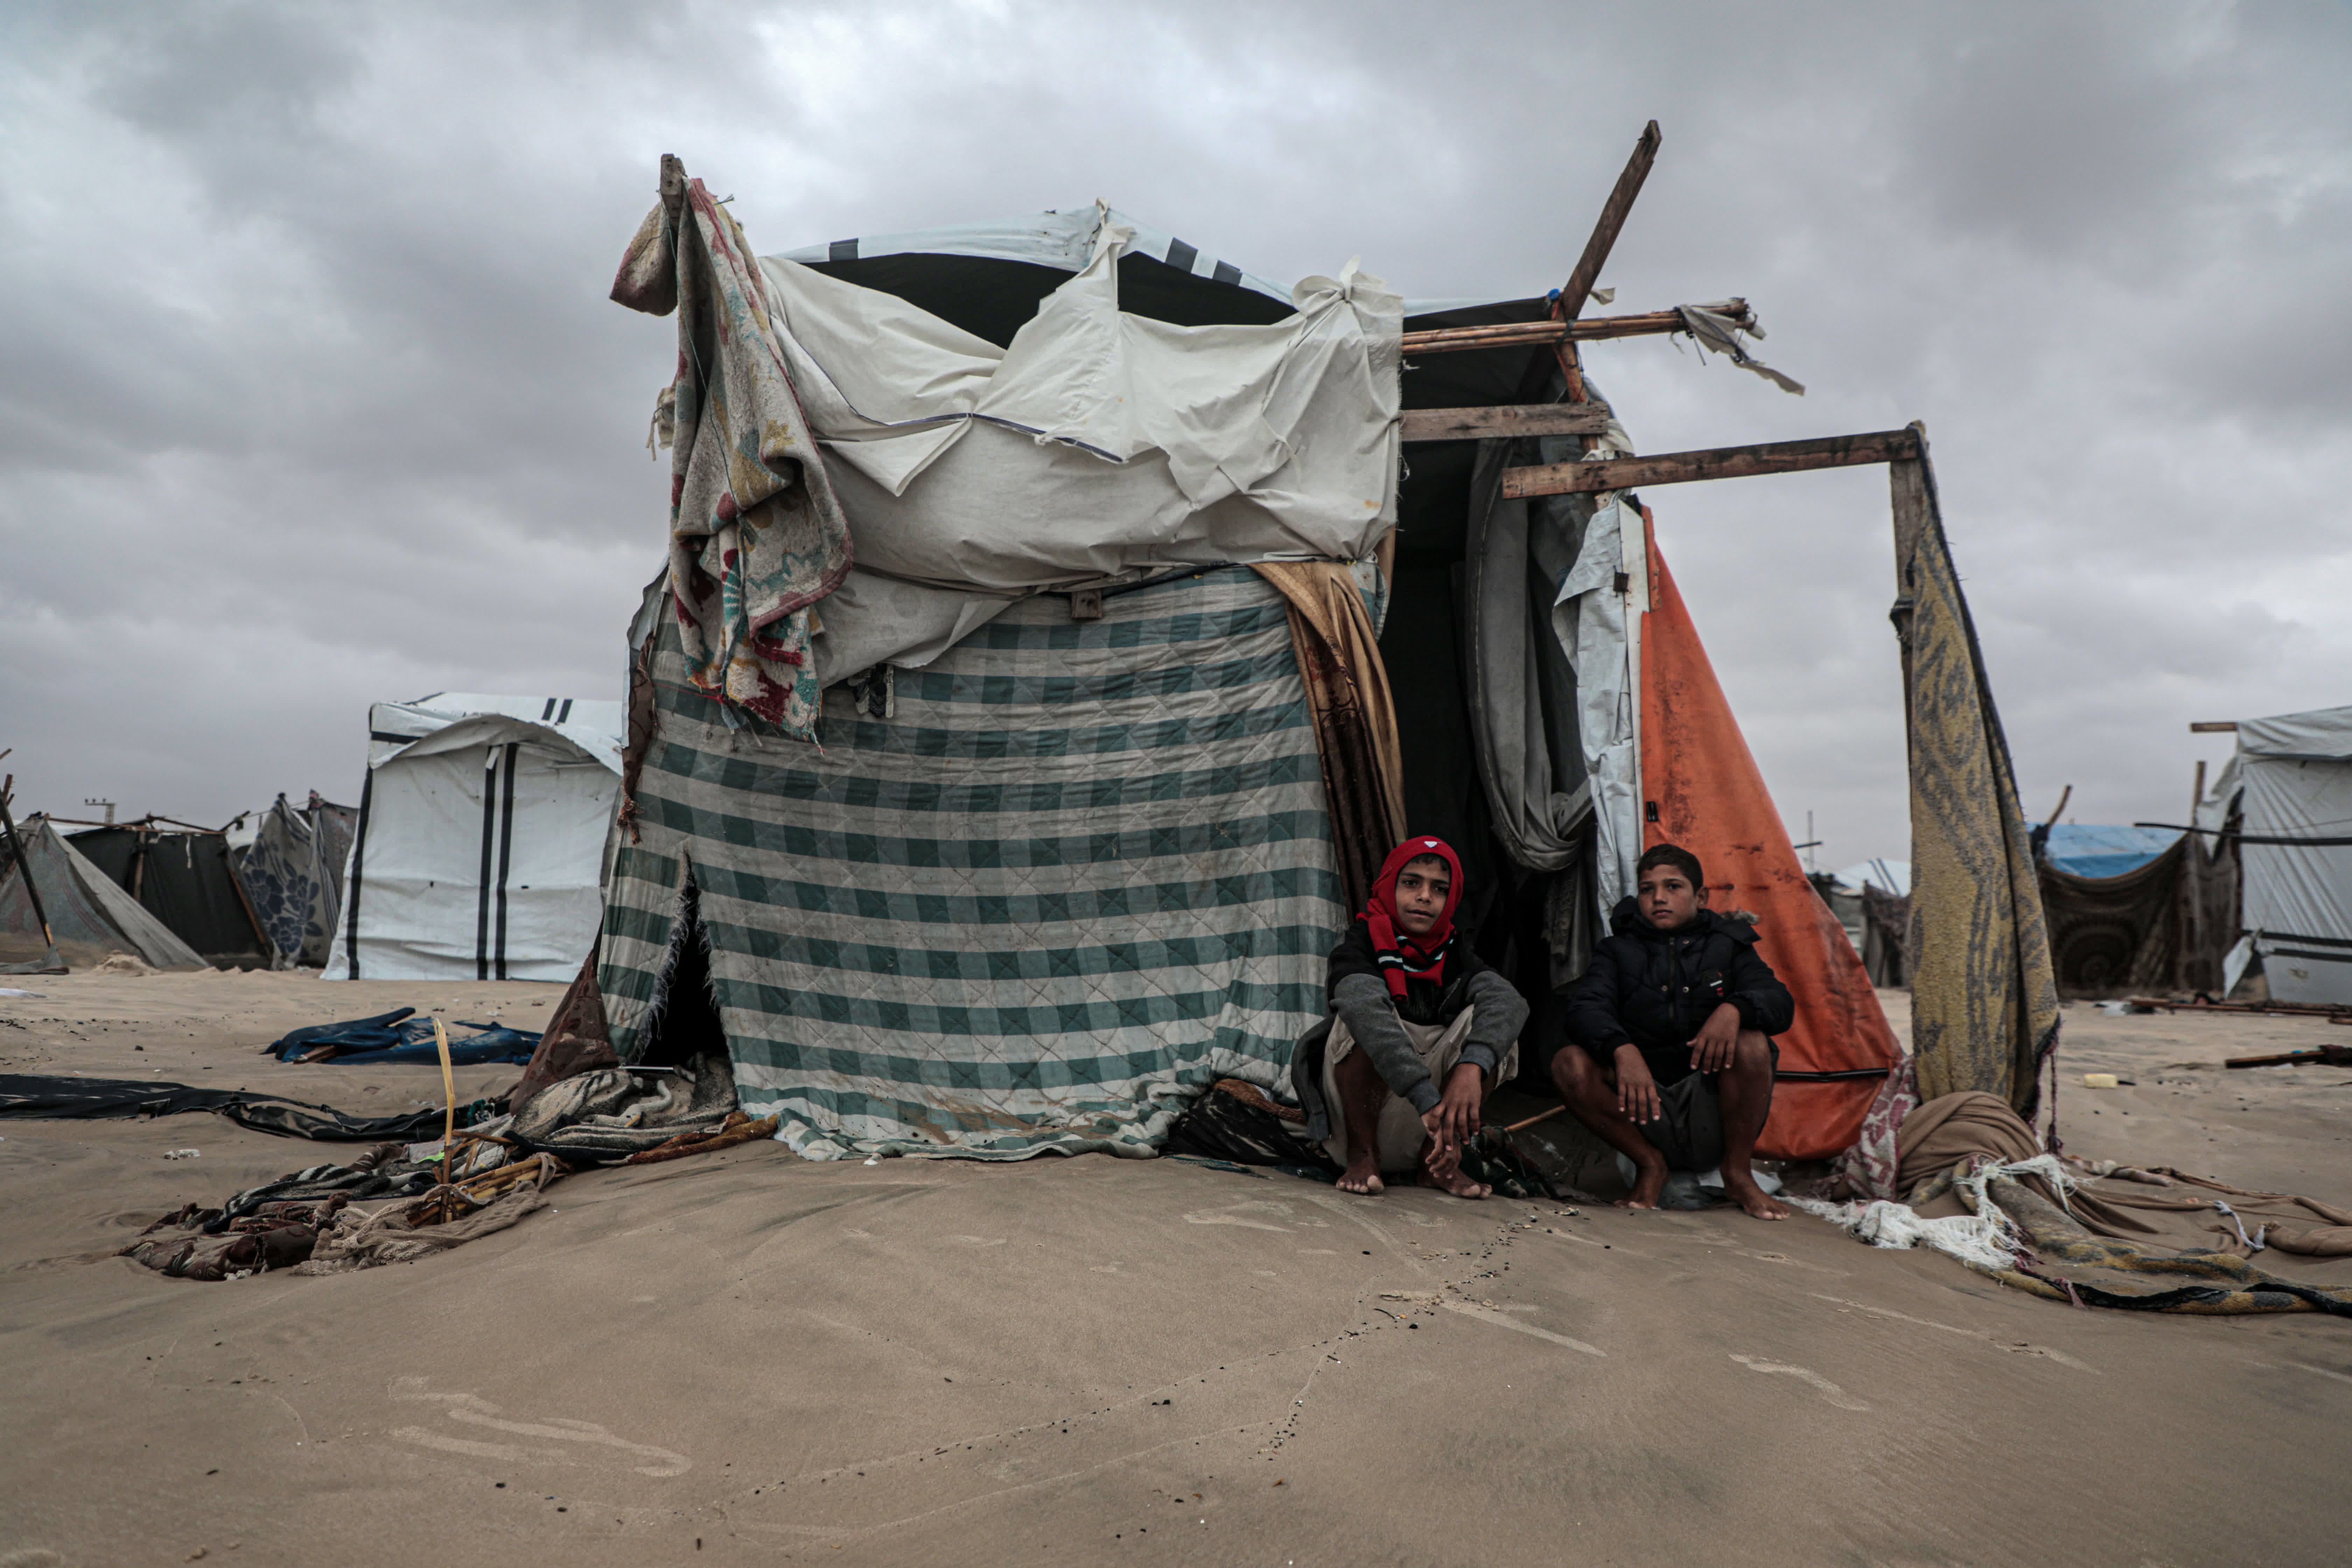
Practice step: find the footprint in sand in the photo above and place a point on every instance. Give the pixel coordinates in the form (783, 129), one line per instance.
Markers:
(1241, 1214)
(1828, 1390)
(479, 1414)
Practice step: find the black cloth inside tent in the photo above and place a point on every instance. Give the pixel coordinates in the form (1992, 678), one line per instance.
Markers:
(183, 880)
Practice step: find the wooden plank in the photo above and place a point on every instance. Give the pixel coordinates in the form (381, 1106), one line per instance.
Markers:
(1483, 423)
(2214, 727)
(1587, 272)
(1719, 463)
(1531, 334)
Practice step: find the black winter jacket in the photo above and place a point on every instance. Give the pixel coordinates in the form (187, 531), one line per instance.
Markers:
(1654, 988)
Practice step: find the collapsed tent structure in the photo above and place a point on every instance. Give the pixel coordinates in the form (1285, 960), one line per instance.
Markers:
(186, 878)
(292, 874)
(475, 850)
(1053, 640)
(53, 890)
(2279, 817)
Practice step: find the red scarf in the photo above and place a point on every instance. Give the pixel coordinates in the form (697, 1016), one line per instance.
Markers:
(1419, 957)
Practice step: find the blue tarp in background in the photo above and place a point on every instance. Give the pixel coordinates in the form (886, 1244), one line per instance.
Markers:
(2091, 851)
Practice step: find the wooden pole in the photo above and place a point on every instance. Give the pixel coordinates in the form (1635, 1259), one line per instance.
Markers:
(1528, 335)
(1483, 423)
(1587, 272)
(1717, 463)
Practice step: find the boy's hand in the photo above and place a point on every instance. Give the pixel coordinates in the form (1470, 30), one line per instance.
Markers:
(1711, 1049)
(1453, 1121)
(1637, 1091)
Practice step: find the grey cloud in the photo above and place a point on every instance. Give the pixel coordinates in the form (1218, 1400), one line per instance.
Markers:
(312, 396)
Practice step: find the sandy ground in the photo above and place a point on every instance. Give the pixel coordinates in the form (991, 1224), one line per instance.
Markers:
(742, 1358)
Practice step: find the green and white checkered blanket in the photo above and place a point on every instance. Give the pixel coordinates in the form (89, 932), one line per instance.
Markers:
(1084, 869)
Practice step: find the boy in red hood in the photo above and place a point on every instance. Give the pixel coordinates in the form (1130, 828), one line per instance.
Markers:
(1420, 1032)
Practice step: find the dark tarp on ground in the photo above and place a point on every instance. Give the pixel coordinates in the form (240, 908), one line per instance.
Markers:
(398, 1036)
(34, 1097)
(183, 879)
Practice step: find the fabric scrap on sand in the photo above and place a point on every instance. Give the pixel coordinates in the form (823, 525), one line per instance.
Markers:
(446, 1195)
(1982, 1191)
(42, 1098)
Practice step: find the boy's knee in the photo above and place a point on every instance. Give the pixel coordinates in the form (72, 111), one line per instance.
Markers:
(1572, 1069)
(1754, 1050)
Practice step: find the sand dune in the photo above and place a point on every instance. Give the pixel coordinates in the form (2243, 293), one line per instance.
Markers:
(744, 1358)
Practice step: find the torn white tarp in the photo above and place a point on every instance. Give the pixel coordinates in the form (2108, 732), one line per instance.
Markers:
(480, 837)
(1098, 444)
(1591, 617)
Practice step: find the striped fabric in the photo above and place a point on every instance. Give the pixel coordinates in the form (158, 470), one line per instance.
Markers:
(1084, 869)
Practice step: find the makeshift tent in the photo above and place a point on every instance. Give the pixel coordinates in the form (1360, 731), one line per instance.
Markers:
(1106, 746)
(1129, 648)
(89, 915)
(481, 825)
(186, 879)
(2285, 802)
(292, 874)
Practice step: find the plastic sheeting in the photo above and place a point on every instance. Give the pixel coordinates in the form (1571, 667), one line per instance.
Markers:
(1523, 674)
(1098, 444)
(1710, 799)
(89, 916)
(2095, 851)
(480, 839)
(2296, 770)
(292, 874)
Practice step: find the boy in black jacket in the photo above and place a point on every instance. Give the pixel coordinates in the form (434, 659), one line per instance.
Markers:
(1675, 1019)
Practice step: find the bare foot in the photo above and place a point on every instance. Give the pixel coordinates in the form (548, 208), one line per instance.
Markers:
(1649, 1184)
(1452, 1180)
(1364, 1176)
(1744, 1191)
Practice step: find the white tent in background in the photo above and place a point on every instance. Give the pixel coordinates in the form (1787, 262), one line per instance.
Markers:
(2291, 782)
(480, 837)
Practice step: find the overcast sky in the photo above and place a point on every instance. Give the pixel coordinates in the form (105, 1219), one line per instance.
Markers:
(311, 395)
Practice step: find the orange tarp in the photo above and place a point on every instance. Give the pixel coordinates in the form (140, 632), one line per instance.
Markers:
(1702, 787)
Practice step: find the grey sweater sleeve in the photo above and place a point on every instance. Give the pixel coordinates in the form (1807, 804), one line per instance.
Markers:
(1502, 1014)
(1362, 1003)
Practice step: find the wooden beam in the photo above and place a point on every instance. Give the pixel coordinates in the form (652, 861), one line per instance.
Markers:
(1578, 287)
(1483, 423)
(2214, 727)
(1720, 463)
(1534, 334)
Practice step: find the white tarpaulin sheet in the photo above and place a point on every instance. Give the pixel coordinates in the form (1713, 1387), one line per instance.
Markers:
(2297, 774)
(480, 839)
(1098, 444)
